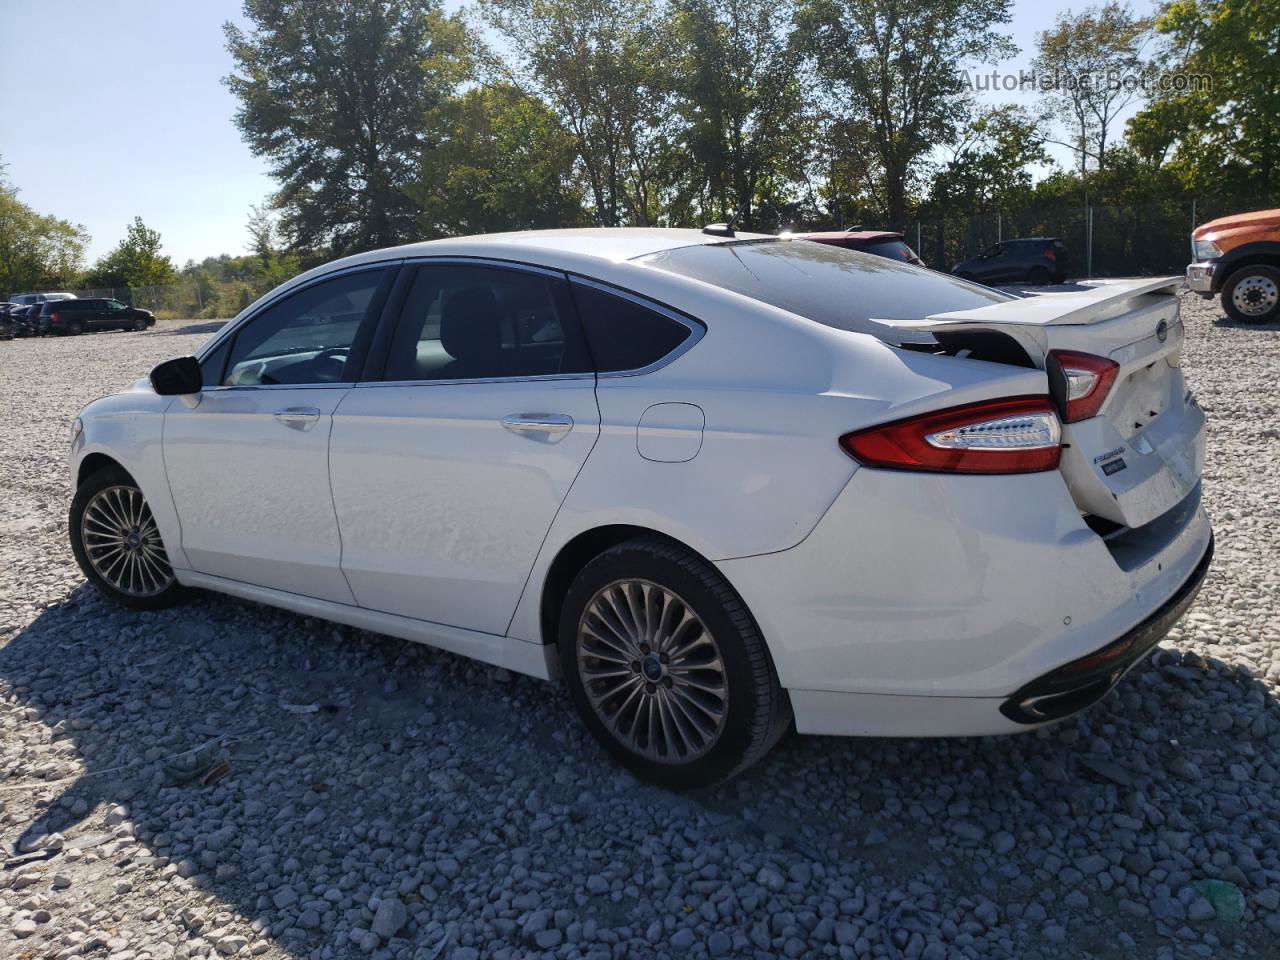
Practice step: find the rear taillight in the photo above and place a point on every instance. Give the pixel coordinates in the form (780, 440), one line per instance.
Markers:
(1010, 435)
(1080, 383)
(53, 317)
(1049, 254)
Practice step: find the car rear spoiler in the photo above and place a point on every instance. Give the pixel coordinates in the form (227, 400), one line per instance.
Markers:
(1026, 318)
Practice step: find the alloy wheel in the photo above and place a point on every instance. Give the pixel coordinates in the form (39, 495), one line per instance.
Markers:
(122, 542)
(652, 672)
(1255, 295)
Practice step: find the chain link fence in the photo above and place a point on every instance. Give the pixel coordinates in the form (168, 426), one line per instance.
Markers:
(1112, 240)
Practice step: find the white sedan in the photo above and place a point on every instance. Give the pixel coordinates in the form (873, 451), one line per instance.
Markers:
(719, 485)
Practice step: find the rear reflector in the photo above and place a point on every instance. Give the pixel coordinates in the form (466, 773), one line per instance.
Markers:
(1080, 383)
(1009, 435)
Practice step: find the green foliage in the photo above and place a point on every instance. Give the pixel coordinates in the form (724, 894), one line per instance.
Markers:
(500, 160)
(605, 68)
(333, 93)
(225, 285)
(135, 262)
(1228, 135)
(747, 127)
(1103, 45)
(990, 162)
(889, 82)
(37, 252)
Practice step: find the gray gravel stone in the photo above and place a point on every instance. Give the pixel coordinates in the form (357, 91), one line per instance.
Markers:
(476, 802)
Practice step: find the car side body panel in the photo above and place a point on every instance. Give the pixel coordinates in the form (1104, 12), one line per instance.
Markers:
(769, 465)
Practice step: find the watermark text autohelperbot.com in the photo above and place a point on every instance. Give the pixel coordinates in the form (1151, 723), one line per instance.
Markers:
(1033, 81)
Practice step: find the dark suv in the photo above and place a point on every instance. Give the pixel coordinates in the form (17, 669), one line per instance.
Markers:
(91, 313)
(1036, 260)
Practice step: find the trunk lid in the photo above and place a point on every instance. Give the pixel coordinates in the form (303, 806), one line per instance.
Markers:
(1143, 453)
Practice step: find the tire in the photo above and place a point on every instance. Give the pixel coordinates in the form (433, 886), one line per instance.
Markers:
(132, 571)
(75, 328)
(1252, 294)
(139, 324)
(745, 711)
(1038, 276)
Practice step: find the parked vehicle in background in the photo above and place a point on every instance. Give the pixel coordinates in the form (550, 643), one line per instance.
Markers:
(1239, 257)
(29, 299)
(882, 243)
(1033, 260)
(92, 313)
(657, 464)
(12, 322)
(24, 317)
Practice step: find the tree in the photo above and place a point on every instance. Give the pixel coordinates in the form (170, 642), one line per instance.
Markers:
(989, 166)
(747, 126)
(604, 67)
(888, 72)
(1094, 63)
(1225, 54)
(500, 161)
(270, 266)
(333, 93)
(135, 262)
(36, 251)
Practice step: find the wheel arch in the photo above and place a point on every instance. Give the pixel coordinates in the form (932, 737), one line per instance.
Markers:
(94, 462)
(1266, 253)
(575, 554)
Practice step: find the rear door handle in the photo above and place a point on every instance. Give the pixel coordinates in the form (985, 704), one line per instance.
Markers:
(299, 418)
(549, 425)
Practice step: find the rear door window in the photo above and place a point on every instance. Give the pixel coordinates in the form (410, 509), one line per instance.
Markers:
(463, 322)
(833, 286)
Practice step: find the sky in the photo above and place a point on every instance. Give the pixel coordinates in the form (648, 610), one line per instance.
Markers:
(144, 124)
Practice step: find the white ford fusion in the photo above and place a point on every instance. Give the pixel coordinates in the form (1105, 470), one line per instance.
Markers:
(713, 482)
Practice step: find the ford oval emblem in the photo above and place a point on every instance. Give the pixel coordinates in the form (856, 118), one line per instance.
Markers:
(1162, 331)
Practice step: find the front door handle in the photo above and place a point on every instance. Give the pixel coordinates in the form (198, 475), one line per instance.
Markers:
(299, 418)
(552, 426)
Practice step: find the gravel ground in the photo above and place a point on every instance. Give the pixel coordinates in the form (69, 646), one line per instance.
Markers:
(175, 792)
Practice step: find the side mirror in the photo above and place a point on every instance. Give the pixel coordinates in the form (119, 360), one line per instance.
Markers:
(177, 377)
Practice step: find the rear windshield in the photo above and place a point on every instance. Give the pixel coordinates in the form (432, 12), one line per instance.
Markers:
(834, 286)
(896, 249)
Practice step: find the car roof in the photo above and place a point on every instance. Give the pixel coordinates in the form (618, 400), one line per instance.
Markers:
(600, 243)
(850, 235)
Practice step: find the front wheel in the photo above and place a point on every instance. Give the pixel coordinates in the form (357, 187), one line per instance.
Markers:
(667, 668)
(1252, 295)
(140, 324)
(116, 542)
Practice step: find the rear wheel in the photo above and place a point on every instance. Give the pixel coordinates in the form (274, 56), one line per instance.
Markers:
(74, 328)
(1038, 276)
(116, 542)
(1252, 294)
(667, 667)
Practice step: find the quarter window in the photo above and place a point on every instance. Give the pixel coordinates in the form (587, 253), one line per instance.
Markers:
(622, 334)
(477, 323)
(304, 338)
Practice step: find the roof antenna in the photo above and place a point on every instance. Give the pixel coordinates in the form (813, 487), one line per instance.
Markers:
(724, 229)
